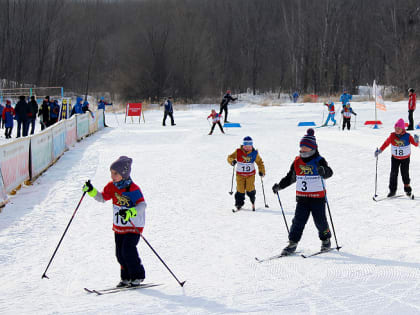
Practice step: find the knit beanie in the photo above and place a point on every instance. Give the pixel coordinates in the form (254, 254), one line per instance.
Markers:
(247, 141)
(122, 166)
(309, 140)
(400, 124)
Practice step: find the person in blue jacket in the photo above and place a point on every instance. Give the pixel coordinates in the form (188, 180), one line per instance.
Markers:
(169, 110)
(1, 116)
(54, 112)
(8, 115)
(295, 96)
(101, 105)
(77, 109)
(345, 98)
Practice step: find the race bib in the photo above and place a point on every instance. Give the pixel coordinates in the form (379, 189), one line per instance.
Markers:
(245, 167)
(308, 184)
(400, 152)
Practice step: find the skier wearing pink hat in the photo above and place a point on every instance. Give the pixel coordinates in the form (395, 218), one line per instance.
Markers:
(400, 141)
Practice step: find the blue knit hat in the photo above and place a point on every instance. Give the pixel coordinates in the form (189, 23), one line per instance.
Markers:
(247, 141)
(309, 140)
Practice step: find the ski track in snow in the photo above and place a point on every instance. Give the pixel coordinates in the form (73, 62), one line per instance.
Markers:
(185, 178)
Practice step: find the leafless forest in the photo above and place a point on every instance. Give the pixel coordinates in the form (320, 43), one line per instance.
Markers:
(196, 48)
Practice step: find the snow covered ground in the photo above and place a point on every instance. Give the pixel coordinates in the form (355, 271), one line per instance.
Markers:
(185, 179)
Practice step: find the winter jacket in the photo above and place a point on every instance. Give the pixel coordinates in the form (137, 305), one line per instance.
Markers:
(7, 115)
(101, 105)
(54, 110)
(44, 112)
(168, 106)
(347, 111)
(312, 164)
(1, 109)
(77, 109)
(345, 98)
(33, 109)
(412, 102)
(21, 110)
(400, 145)
(226, 99)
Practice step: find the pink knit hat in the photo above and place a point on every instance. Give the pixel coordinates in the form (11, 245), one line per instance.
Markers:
(400, 124)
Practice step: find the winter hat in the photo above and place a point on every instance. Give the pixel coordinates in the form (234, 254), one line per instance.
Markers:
(8, 101)
(411, 90)
(122, 166)
(247, 141)
(228, 91)
(309, 140)
(400, 124)
(22, 98)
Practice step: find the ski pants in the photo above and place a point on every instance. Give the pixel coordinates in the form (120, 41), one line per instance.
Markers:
(166, 114)
(8, 132)
(244, 184)
(411, 120)
(346, 121)
(397, 164)
(330, 116)
(214, 125)
(224, 108)
(128, 257)
(24, 125)
(304, 207)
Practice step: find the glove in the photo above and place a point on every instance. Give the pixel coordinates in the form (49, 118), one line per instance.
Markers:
(416, 138)
(276, 188)
(234, 162)
(377, 152)
(321, 171)
(89, 189)
(261, 174)
(127, 214)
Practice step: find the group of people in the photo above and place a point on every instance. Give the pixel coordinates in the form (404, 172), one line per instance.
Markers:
(24, 113)
(309, 170)
(346, 111)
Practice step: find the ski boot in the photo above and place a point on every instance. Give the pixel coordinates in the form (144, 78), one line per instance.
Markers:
(136, 282)
(123, 283)
(407, 190)
(326, 245)
(253, 207)
(391, 193)
(210, 133)
(289, 249)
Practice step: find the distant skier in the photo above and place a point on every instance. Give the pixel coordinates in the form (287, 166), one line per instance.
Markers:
(411, 108)
(8, 116)
(331, 113)
(295, 96)
(215, 118)
(169, 111)
(245, 157)
(400, 141)
(224, 104)
(347, 111)
(308, 170)
(345, 98)
(128, 205)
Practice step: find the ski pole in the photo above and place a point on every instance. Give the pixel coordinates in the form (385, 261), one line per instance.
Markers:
(44, 275)
(233, 175)
(284, 217)
(376, 177)
(262, 184)
(148, 244)
(329, 212)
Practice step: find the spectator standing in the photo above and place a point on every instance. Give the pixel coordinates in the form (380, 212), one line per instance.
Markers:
(22, 110)
(295, 96)
(77, 109)
(44, 113)
(7, 116)
(54, 112)
(1, 116)
(169, 110)
(33, 110)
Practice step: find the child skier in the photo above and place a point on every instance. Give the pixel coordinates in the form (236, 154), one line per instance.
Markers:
(308, 170)
(245, 157)
(8, 116)
(347, 111)
(129, 217)
(331, 113)
(215, 118)
(400, 141)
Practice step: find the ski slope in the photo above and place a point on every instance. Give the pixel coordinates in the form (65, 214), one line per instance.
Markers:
(185, 178)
